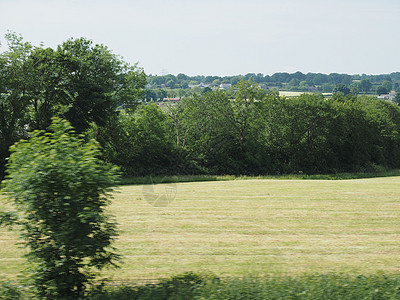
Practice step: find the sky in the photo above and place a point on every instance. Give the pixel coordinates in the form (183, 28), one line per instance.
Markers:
(221, 37)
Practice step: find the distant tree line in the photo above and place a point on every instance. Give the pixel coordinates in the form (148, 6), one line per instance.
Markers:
(251, 131)
(57, 177)
(245, 129)
(169, 85)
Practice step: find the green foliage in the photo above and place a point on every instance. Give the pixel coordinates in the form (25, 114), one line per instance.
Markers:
(295, 81)
(381, 90)
(201, 287)
(139, 143)
(312, 287)
(246, 131)
(13, 97)
(387, 84)
(306, 287)
(211, 138)
(178, 287)
(220, 129)
(397, 98)
(10, 291)
(60, 189)
(297, 133)
(341, 88)
(80, 81)
(365, 85)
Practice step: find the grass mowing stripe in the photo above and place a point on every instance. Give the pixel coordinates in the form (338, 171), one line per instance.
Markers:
(259, 227)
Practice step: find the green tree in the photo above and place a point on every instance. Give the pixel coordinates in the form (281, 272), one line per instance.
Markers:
(216, 82)
(207, 128)
(149, 95)
(355, 88)
(341, 88)
(82, 82)
(160, 94)
(79, 81)
(139, 143)
(365, 85)
(397, 98)
(193, 82)
(244, 105)
(210, 79)
(298, 132)
(181, 77)
(303, 86)
(60, 189)
(152, 147)
(220, 129)
(327, 87)
(294, 82)
(171, 84)
(235, 80)
(388, 85)
(185, 84)
(320, 79)
(14, 99)
(381, 90)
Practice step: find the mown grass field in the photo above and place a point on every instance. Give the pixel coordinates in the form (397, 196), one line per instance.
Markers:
(258, 227)
(296, 94)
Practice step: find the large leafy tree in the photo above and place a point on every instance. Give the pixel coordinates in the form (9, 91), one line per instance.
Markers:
(139, 143)
(14, 99)
(210, 137)
(365, 85)
(341, 88)
(60, 190)
(381, 90)
(80, 81)
(220, 128)
(246, 111)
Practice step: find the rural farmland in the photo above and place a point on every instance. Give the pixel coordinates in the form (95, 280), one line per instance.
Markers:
(258, 227)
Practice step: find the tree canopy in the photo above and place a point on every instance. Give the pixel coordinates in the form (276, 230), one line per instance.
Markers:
(80, 81)
(231, 124)
(248, 130)
(60, 189)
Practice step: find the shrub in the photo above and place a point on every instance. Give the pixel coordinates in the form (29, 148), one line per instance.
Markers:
(9, 291)
(60, 190)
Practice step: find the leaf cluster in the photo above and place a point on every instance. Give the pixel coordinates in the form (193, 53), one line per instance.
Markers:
(80, 81)
(60, 189)
(248, 131)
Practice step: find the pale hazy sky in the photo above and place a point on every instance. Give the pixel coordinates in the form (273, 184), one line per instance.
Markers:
(222, 37)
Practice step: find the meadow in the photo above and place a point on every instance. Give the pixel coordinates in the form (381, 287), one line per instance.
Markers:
(296, 94)
(249, 227)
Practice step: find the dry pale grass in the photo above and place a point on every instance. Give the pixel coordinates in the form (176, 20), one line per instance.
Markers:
(251, 226)
(296, 94)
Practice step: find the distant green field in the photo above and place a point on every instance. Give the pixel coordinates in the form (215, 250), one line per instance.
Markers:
(259, 227)
(296, 94)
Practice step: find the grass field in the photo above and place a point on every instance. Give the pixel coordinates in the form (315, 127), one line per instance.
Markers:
(296, 94)
(259, 227)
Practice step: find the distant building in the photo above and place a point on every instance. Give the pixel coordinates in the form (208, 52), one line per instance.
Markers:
(225, 86)
(389, 97)
(169, 101)
(201, 85)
